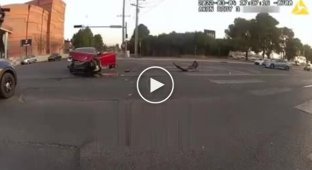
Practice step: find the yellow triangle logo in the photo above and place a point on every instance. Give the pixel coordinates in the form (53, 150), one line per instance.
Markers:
(300, 8)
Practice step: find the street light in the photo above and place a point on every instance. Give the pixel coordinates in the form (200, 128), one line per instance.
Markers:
(78, 26)
(98, 26)
(115, 26)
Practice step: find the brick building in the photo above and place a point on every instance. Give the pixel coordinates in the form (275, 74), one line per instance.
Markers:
(42, 21)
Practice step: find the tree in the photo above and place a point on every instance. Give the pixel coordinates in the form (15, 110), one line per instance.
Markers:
(143, 33)
(266, 35)
(293, 47)
(189, 43)
(240, 33)
(307, 51)
(83, 38)
(98, 42)
(286, 34)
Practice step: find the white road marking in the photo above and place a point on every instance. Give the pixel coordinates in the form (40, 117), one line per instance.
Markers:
(306, 107)
(308, 86)
(232, 74)
(217, 74)
(269, 91)
(237, 81)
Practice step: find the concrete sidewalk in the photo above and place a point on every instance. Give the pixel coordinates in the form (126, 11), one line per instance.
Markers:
(42, 58)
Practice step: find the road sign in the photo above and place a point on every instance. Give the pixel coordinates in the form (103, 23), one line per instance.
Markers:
(26, 42)
(210, 33)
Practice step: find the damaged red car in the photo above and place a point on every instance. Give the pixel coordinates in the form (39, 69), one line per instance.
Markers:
(88, 60)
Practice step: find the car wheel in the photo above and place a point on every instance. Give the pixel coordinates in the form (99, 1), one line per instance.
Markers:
(287, 68)
(7, 85)
(272, 66)
(71, 70)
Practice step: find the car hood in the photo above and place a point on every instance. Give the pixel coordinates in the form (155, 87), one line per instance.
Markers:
(5, 63)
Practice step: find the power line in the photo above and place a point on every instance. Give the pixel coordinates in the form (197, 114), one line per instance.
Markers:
(137, 6)
(150, 6)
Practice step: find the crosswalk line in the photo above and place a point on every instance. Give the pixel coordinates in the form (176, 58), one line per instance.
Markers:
(232, 74)
(269, 91)
(306, 107)
(247, 81)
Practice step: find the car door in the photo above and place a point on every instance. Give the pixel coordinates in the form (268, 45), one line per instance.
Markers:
(278, 63)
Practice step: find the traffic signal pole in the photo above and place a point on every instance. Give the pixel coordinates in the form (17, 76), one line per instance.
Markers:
(123, 20)
(136, 29)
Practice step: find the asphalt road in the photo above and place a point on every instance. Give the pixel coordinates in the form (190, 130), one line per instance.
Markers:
(224, 116)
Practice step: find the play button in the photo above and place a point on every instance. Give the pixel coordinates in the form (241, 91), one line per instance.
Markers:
(155, 85)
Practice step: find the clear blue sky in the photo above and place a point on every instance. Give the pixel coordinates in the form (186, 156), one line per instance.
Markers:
(165, 16)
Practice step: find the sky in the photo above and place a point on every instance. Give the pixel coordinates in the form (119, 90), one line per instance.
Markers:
(165, 16)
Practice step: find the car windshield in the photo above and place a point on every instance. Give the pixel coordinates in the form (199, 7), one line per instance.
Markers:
(86, 50)
(156, 85)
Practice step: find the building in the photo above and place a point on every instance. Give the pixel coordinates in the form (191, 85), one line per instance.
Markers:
(41, 22)
(210, 33)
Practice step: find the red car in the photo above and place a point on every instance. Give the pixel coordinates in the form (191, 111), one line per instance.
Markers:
(89, 60)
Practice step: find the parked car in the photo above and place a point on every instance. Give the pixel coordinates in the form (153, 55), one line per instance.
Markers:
(259, 61)
(29, 60)
(8, 79)
(55, 57)
(278, 63)
(307, 67)
(89, 60)
(265, 61)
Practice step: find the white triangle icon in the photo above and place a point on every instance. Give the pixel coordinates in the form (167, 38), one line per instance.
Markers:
(154, 85)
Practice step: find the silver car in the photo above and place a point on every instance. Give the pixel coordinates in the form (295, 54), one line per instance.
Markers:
(29, 60)
(278, 63)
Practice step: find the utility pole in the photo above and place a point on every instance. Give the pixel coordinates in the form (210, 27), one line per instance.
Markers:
(136, 29)
(137, 6)
(126, 33)
(123, 20)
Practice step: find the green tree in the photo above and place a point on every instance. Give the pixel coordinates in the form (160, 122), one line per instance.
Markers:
(265, 34)
(293, 47)
(286, 35)
(83, 38)
(307, 51)
(189, 43)
(143, 33)
(98, 42)
(240, 33)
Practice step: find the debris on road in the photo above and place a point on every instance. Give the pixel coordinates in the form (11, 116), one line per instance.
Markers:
(194, 67)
